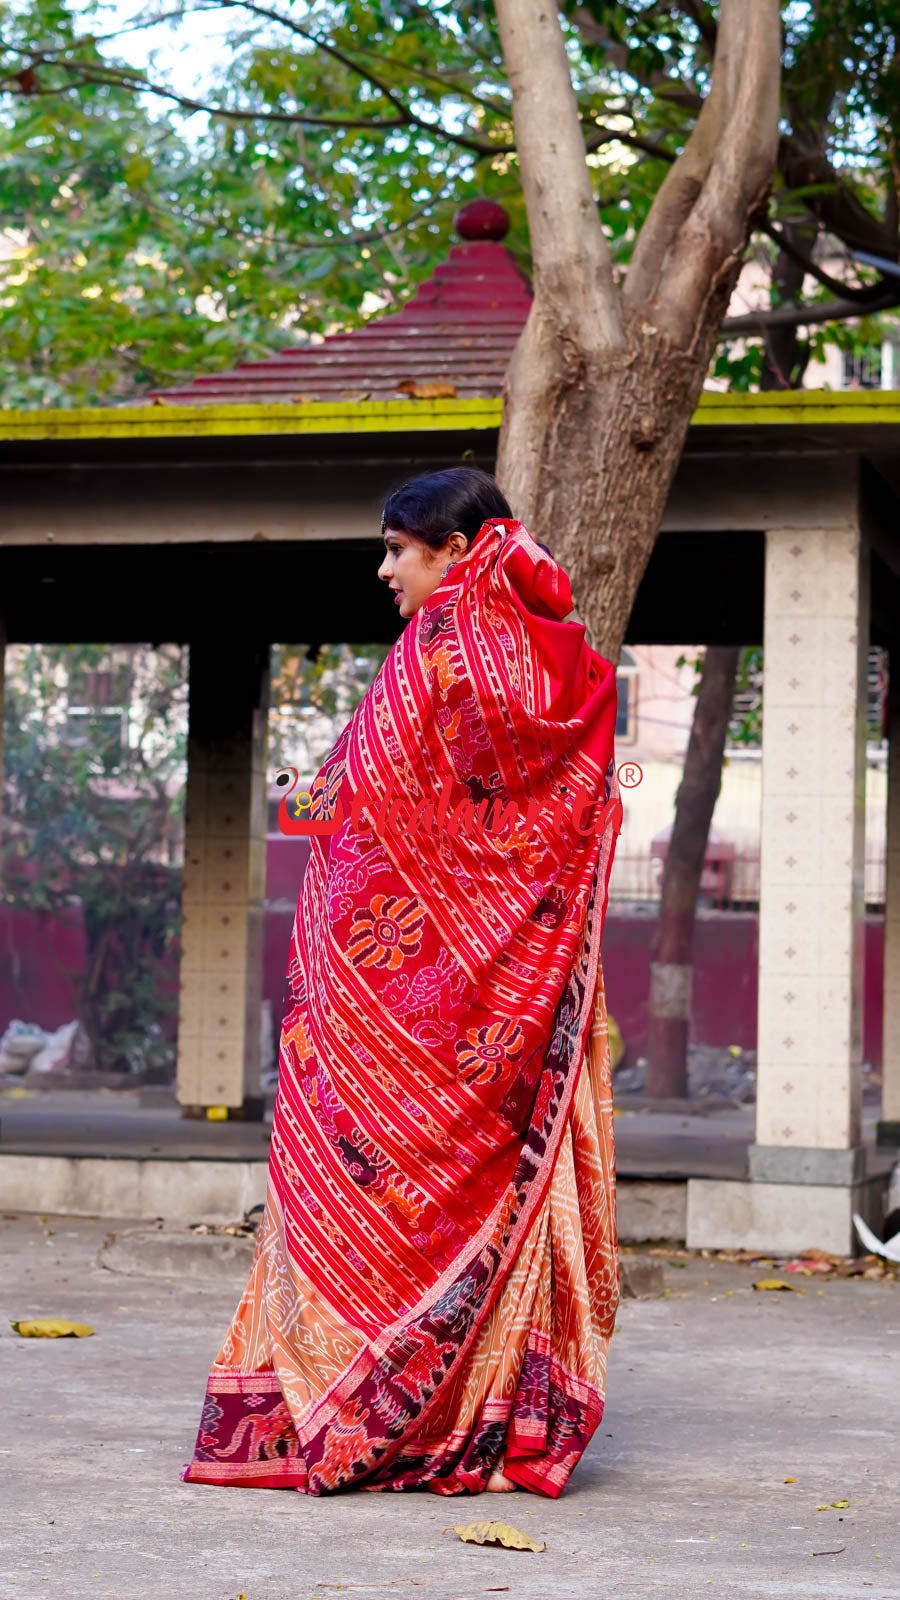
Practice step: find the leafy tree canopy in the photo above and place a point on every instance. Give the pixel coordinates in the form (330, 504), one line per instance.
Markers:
(152, 230)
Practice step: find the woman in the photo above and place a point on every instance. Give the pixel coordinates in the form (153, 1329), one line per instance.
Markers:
(435, 1277)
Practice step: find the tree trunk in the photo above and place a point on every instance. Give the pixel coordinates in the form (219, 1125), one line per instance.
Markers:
(605, 376)
(603, 381)
(672, 945)
(590, 445)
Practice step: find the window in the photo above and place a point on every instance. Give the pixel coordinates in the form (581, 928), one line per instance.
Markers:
(90, 687)
(96, 714)
(745, 722)
(747, 707)
(627, 697)
(862, 368)
(876, 693)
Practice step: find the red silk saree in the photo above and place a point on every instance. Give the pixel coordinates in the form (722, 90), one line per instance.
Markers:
(435, 1281)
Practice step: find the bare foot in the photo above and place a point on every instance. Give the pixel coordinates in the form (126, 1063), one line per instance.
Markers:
(498, 1483)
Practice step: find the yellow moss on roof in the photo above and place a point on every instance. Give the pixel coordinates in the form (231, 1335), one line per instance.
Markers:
(811, 407)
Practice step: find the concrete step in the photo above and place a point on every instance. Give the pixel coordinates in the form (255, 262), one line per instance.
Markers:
(181, 1191)
(215, 1258)
(222, 1258)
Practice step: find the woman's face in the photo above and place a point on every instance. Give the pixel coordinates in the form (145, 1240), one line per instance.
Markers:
(413, 570)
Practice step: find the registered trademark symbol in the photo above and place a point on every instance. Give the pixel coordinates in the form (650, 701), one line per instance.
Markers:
(629, 774)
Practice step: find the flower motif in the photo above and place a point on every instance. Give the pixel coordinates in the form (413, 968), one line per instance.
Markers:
(484, 1052)
(386, 932)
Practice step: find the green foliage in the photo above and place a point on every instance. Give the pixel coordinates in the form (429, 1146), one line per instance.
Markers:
(147, 245)
(150, 239)
(745, 724)
(93, 816)
(315, 690)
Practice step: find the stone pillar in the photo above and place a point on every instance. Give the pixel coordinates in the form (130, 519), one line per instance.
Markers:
(224, 878)
(812, 858)
(889, 1126)
(806, 1167)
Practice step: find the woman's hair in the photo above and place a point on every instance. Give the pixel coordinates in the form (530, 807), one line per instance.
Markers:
(438, 503)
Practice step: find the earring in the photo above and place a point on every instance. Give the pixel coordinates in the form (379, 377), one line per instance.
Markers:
(447, 569)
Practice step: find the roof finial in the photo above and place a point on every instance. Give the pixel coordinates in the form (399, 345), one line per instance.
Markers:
(481, 219)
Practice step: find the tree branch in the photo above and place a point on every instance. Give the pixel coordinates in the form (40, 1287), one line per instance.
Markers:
(128, 79)
(681, 262)
(83, 72)
(870, 292)
(284, 241)
(834, 205)
(572, 260)
(329, 49)
(444, 81)
(650, 147)
(677, 196)
(407, 116)
(803, 316)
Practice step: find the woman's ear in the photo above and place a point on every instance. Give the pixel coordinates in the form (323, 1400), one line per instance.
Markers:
(457, 544)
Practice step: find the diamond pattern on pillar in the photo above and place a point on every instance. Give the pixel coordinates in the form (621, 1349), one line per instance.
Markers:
(809, 982)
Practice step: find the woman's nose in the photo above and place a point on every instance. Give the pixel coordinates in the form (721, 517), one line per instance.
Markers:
(384, 570)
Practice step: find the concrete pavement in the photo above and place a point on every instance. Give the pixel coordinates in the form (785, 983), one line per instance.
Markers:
(717, 1395)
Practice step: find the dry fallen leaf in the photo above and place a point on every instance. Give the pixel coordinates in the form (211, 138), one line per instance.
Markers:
(52, 1328)
(840, 1505)
(790, 1480)
(495, 1533)
(773, 1283)
(434, 390)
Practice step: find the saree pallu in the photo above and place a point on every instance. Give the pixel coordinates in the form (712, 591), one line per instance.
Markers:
(434, 1282)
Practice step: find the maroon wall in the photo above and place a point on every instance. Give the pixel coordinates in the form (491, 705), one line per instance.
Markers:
(37, 956)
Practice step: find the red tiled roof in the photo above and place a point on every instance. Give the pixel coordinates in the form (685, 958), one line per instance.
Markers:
(458, 330)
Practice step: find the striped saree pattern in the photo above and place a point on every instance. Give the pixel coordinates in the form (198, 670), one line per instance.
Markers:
(434, 1281)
